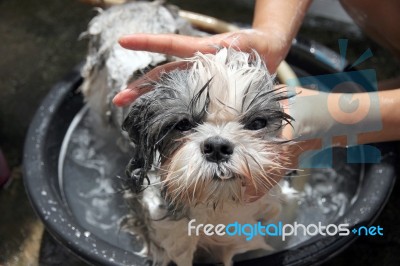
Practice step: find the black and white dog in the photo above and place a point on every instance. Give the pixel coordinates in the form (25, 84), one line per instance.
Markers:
(203, 138)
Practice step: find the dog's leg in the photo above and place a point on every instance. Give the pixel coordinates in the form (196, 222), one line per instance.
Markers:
(228, 252)
(169, 237)
(173, 237)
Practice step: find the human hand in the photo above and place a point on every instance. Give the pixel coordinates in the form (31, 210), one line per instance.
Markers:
(271, 47)
(143, 85)
(185, 46)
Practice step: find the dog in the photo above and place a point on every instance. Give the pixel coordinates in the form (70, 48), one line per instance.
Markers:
(202, 138)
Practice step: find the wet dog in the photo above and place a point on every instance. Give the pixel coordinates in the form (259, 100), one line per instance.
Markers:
(206, 139)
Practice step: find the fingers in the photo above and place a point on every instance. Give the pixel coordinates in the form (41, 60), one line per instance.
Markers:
(170, 44)
(126, 96)
(187, 46)
(143, 85)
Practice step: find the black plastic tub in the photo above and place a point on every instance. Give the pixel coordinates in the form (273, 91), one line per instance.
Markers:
(41, 175)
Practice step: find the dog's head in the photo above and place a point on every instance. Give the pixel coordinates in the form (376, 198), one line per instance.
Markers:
(210, 130)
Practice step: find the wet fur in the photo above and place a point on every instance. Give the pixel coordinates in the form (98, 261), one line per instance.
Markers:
(169, 182)
(219, 95)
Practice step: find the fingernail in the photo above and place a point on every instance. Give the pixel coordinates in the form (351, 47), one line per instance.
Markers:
(122, 40)
(119, 101)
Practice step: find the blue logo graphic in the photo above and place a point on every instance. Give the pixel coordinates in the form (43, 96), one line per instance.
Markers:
(279, 229)
(339, 95)
(368, 231)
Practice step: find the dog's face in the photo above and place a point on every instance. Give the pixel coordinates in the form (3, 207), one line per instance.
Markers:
(212, 129)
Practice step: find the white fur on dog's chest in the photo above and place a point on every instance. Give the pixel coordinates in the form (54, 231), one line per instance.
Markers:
(179, 241)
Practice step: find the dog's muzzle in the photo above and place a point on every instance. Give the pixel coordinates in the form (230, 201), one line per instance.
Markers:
(217, 149)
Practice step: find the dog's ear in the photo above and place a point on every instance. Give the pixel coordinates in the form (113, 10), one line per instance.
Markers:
(136, 174)
(132, 126)
(135, 122)
(142, 158)
(136, 170)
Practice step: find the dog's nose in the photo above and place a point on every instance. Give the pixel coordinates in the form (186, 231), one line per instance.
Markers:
(217, 149)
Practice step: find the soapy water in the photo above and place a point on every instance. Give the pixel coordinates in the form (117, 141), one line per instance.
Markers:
(89, 165)
(91, 161)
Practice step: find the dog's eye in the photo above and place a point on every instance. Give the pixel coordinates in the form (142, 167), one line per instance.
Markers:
(257, 124)
(184, 125)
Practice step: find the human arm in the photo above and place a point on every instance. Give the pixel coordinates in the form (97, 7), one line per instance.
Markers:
(318, 115)
(275, 24)
(371, 117)
(389, 105)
